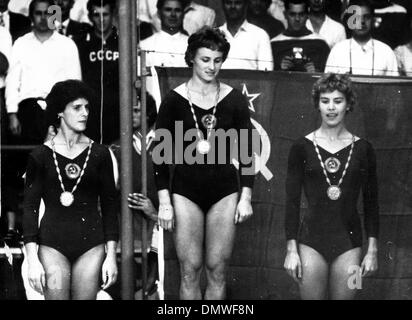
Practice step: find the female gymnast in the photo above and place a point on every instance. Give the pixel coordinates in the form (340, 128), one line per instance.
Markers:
(73, 175)
(206, 200)
(332, 165)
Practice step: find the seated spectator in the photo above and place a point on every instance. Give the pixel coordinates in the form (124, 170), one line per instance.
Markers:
(320, 23)
(259, 16)
(167, 47)
(362, 54)
(390, 22)
(249, 44)
(99, 56)
(16, 23)
(404, 54)
(67, 26)
(297, 48)
(39, 59)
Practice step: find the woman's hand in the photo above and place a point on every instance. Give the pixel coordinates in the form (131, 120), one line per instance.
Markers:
(166, 215)
(370, 261)
(244, 208)
(293, 265)
(244, 211)
(369, 264)
(36, 275)
(109, 271)
(138, 201)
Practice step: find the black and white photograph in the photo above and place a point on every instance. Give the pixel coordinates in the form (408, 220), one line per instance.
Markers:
(236, 152)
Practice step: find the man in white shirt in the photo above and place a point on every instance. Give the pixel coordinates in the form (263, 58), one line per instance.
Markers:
(39, 59)
(362, 54)
(168, 46)
(321, 24)
(249, 45)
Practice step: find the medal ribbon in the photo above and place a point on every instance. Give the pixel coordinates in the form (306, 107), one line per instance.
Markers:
(189, 98)
(323, 166)
(58, 169)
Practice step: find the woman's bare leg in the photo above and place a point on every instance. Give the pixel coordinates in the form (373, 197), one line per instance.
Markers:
(314, 283)
(188, 237)
(57, 269)
(86, 273)
(342, 271)
(220, 235)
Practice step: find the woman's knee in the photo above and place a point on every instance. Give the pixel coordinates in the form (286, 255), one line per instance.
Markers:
(190, 271)
(216, 270)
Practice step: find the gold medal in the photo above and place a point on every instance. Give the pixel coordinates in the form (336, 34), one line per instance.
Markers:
(332, 165)
(72, 171)
(66, 198)
(209, 121)
(334, 192)
(203, 146)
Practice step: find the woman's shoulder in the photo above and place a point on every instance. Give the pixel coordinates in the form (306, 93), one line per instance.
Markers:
(38, 152)
(301, 142)
(99, 149)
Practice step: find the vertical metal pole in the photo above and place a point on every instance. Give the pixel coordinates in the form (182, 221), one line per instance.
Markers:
(135, 49)
(144, 168)
(125, 90)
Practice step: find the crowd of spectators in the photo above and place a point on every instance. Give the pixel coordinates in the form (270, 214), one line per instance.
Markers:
(366, 37)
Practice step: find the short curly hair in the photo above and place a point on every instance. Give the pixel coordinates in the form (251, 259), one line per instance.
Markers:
(61, 95)
(330, 82)
(206, 37)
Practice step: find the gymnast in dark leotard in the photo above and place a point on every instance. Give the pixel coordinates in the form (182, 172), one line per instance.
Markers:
(207, 199)
(73, 176)
(333, 167)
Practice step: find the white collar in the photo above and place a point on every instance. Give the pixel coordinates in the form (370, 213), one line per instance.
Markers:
(243, 27)
(366, 47)
(168, 35)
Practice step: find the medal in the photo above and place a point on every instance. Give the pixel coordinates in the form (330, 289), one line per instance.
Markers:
(66, 198)
(72, 171)
(332, 165)
(203, 146)
(334, 192)
(209, 121)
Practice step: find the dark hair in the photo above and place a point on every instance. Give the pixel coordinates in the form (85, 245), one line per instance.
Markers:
(362, 3)
(161, 3)
(206, 37)
(289, 2)
(151, 111)
(330, 82)
(100, 3)
(61, 95)
(33, 4)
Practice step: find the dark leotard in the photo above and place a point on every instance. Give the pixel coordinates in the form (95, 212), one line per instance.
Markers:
(76, 229)
(331, 227)
(205, 184)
